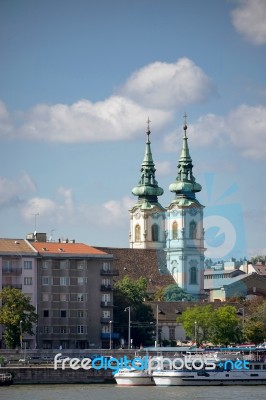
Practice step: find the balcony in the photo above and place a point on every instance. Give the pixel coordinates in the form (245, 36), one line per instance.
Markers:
(106, 304)
(109, 272)
(106, 288)
(105, 320)
(12, 271)
(106, 335)
(12, 285)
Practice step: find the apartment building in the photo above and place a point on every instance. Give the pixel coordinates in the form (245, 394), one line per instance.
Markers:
(18, 269)
(75, 298)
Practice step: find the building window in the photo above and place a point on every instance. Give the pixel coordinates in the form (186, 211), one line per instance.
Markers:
(63, 329)
(171, 333)
(80, 313)
(174, 230)
(64, 281)
(46, 313)
(45, 297)
(81, 329)
(7, 265)
(27, 280)
(192, 230)
(63, 264)
(64, 297)
(81, 264)
(193, 276)
(106, 266)
(82, 281)
(46, 329)
(27, 264)
(106, 314)
(155, 233)
(63, 313)
(80, 297)
(45, 280)
(137, 233)
(45, 264)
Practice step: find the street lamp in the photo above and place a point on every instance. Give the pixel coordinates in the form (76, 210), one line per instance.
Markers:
(195, 323)
(110, 331)
(129, 336)
(20, 323)
(157, 322)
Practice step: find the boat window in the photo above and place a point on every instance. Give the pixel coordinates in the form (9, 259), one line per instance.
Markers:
(227, 375)
(256, 366)
(254, 374)
(264, 366)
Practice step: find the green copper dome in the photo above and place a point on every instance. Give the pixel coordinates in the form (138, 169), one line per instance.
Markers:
(185, 183)
(147, 188)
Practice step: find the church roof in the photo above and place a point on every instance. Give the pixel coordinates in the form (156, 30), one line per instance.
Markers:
(147, 189)
(185, 184)
(149, 263)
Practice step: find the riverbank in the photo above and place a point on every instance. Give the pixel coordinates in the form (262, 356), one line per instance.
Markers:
(48, 375)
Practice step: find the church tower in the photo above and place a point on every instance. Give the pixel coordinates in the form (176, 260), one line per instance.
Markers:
(184, 227)
(147, 216)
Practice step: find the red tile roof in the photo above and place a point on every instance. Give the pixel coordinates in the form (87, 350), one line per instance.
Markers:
(65, 248)
(15, 247)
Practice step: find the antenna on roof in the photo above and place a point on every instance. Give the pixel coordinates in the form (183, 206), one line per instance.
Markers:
(35, 222)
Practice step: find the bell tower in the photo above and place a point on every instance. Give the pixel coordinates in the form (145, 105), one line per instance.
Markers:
(147, 216)
(184, 226)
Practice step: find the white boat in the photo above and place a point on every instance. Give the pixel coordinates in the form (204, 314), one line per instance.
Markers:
(133, 377)
(255, 375)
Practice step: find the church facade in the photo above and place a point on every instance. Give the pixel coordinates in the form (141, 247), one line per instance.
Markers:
(177, 228)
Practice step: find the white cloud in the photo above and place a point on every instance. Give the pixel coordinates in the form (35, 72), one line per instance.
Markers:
(249, 19)
(243, 128)
(6, 124)
(156, 90)
(116, 118)
(12, 192)
(62, 211)
(169, 85)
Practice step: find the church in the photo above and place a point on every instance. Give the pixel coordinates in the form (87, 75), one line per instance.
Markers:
(177, 228)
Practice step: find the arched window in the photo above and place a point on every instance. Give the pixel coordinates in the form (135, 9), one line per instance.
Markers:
(137, 233)
(155, 233)
(174, 229)
(193, 276)
(192, 230)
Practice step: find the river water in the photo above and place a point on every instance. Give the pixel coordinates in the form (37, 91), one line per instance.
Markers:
(114, 392)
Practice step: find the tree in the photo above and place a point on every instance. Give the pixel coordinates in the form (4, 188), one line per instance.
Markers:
(225, 326)
(130, 293)
(219, 326)
(255, 331)
(255, 321)
(175, 293)
(16, 314)
(196, 321)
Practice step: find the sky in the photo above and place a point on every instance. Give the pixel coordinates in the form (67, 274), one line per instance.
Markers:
(78, 81)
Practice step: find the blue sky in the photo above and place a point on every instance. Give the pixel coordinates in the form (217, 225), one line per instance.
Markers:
(80, 78)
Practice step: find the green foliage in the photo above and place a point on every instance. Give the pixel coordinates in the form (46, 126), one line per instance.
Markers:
(225, 326)
(133, 291)
(255, 321)
(196, 321)
(130, 293)
(219, 326)
(175, 293)
(16, 313)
